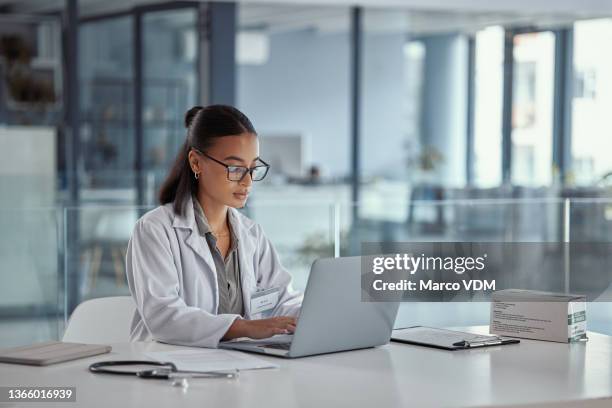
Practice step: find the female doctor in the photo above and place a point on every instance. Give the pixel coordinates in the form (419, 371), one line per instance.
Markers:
(199, 270)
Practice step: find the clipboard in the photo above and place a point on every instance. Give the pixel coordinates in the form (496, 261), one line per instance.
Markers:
(447, 339)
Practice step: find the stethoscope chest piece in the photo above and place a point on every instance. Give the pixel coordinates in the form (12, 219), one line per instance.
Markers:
(179, 382)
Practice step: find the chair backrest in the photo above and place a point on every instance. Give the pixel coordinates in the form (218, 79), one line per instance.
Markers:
(115, 224)
(101, 321)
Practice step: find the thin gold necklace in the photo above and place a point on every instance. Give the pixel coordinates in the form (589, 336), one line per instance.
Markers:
(219, 235)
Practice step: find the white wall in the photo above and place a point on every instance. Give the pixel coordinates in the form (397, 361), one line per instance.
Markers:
(304, 88)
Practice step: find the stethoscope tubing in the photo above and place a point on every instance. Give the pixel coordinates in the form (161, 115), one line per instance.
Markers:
(101, 367)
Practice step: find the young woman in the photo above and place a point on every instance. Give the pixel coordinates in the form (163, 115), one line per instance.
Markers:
(199, 270)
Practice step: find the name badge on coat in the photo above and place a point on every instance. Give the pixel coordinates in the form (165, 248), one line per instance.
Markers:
(263, 300)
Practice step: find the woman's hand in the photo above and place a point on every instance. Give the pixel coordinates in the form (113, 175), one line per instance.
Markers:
(262, 328)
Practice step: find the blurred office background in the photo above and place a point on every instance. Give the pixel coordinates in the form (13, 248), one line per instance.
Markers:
(403, 120)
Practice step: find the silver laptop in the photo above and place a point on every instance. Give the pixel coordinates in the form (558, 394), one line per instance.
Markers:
(333, 317)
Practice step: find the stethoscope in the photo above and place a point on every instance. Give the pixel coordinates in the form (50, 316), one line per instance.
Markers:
(162, 370)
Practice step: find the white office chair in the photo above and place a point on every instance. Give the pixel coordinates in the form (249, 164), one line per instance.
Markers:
(112, 231)
(101, 321)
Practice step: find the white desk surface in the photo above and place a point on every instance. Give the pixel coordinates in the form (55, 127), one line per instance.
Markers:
(533, 372)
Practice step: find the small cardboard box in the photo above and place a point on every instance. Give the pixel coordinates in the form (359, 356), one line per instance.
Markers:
(532, 314)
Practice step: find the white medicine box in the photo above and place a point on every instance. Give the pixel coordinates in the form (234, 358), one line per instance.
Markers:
(538, 315)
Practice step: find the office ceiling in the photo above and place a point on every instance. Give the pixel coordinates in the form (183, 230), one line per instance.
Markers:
(415, 16)
(275, 18)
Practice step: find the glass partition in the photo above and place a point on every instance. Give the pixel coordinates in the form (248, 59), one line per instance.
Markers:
(31, 278)
(453, 220)
(54, 258)
(538, 220)
(95, 262)
(590, 221)
(300, 231)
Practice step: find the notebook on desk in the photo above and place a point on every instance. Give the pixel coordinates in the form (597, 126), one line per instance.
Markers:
(50, 352)
(447, 339)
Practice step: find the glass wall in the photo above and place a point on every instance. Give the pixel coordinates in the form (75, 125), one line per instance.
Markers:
(392, 71)
(95, 253)
(489, 83)
(592, 98)
(170, 52)
(32, 104)
(170, 87)
(414, 102)
(532, 109)
(106, 75)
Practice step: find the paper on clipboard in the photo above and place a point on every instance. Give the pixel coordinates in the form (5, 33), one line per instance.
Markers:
(446, 339)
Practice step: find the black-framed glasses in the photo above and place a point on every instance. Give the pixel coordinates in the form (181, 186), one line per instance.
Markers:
(237, 173)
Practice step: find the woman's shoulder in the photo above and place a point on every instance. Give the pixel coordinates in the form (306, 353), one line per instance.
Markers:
(244, 221)
(162, 215)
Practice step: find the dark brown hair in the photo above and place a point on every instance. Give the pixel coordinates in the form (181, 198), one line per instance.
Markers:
(203, 124)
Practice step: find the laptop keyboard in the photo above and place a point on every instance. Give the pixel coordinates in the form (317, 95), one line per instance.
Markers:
(280, 346)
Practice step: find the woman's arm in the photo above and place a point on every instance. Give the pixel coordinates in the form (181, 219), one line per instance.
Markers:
(154, 284)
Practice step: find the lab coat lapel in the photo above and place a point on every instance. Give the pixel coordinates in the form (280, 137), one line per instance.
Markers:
(196, 242)
(192, 238)
(246, 254)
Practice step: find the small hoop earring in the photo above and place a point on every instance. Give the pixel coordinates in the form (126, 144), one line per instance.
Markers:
(196, 175)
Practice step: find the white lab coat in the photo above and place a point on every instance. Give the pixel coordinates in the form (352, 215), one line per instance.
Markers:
(172, 278)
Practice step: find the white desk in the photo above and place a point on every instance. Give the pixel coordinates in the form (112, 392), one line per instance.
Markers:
(394, 375)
